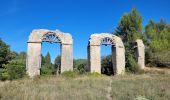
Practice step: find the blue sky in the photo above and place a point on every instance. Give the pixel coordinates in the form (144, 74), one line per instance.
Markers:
(81, 18)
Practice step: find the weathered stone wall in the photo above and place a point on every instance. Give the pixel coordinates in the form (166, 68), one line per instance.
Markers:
(140, 53)
(34, 51)
(66, 58)
(95, 59)
(33, 59)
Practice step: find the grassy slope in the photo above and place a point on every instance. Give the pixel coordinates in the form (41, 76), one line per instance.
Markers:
(155, 85)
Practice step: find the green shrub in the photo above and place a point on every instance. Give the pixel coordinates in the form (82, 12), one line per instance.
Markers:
(131, 64)
(94, 74)
(157, 59)
(70, 74)
(46, 70)
(79, 65)
(80, 68)
(107, 66)
(12, 70)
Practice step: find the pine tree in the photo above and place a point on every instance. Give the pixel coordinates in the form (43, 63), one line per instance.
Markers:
(5, 55)
(130, 29)
(57, 65)
(47, 67)
(130, 26)
(158, 38)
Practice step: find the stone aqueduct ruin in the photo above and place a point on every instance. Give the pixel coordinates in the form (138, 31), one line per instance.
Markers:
(34, 50)
(118, 52)
(37, 37)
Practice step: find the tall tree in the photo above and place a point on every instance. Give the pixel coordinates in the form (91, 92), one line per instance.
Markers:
(47, 67)
(15, 68)
(158, 48)
(5, 54)
(130, 26)
(130, 29)
(57, 65)
(158, 35)
(47, 58)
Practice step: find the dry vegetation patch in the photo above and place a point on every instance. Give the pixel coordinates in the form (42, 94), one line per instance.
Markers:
(153, 86)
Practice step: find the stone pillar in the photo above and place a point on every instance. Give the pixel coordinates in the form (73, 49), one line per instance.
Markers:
(88, 59)
(66, 57)
(140, 53)
(120, 60)
(95, 59)
(33, 59)
(114, 59)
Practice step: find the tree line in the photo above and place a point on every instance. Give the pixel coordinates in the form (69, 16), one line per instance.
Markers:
(156, 37)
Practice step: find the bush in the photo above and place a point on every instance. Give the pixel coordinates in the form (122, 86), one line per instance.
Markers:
(131, 64)
(12, 70)
(157, 59)
(71, 74)
(80, 65)
(46, 70)
(107, 66)
(94, 74)
(80, 69)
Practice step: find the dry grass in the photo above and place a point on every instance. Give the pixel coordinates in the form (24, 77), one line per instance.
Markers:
(56, 88)
(151, 86)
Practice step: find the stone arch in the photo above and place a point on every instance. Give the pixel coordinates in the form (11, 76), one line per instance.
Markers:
(140, 53)
(34, 49)
(118, 52)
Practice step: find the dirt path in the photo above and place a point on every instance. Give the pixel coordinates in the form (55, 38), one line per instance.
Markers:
(109, 89)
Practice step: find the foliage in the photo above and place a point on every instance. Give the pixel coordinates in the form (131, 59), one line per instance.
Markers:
(12, 64)
(80, 65)
(130, 26)
(94, 74)
(70, 74)
(131, 64)
(158, 36)
(47, 66)
(130, 29)
(15, 68)
(157, 59)
(5, 53)
(57, 65)
(107, 67)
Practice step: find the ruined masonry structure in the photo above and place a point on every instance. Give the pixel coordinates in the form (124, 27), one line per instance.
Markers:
(36, 38)
(94, 56)
(140, 53)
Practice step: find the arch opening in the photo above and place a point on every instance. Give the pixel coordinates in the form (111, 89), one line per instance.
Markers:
(106, 60)
(52, 38)
(50, 58)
